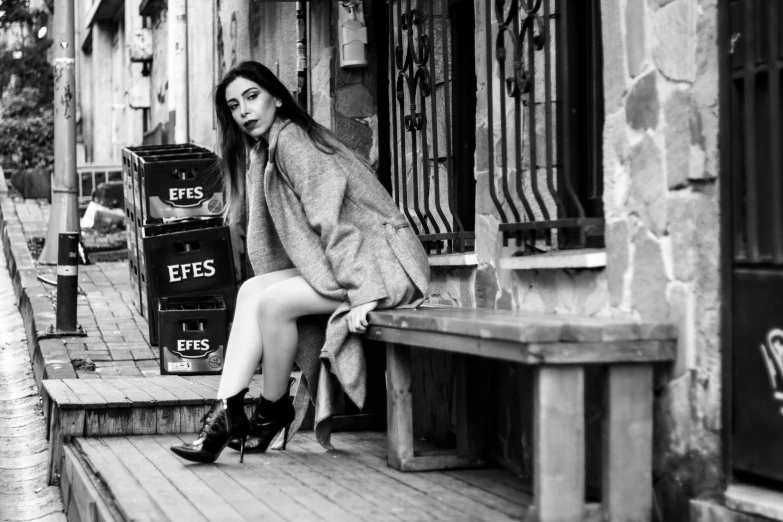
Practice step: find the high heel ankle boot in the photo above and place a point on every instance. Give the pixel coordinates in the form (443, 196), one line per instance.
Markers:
(226, 420)
(268, 419)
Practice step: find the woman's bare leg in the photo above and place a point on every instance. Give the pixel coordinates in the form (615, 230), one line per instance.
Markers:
(281, 305)
(244, 347)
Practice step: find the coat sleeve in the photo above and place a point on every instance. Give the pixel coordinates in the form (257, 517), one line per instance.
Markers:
(321, 182)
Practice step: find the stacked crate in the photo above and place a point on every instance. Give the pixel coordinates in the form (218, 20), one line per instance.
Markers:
(178, 248)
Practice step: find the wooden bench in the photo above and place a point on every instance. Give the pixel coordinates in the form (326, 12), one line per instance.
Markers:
(558, 348)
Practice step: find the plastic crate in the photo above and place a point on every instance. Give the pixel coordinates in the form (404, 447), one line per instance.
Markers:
(175, 182)
(192, 335)
(187, 258)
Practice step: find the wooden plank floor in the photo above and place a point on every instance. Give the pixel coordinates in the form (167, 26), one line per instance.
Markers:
(302, 483)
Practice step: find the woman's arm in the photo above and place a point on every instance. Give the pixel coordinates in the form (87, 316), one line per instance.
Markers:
(321, 181)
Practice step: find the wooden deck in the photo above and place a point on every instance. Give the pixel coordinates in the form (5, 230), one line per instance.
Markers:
(138, 478)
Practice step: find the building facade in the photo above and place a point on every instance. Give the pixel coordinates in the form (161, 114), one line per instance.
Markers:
(554, 156)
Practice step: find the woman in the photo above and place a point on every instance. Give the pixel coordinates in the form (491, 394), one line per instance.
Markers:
(323, 237)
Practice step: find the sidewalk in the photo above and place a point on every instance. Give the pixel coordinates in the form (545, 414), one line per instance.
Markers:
(117, 341)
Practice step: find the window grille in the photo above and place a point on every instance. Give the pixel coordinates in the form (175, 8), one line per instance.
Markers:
(755, 130)
(431, 127)
(546, 180)
(541, 115)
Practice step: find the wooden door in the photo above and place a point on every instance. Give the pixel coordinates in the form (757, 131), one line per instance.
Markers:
(751, 47)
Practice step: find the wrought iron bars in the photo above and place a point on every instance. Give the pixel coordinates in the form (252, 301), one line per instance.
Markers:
(528, 26)
(755, 49)
(414, 66)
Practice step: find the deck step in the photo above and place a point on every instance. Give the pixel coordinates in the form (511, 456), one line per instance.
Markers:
(127, 406)
(126, 478)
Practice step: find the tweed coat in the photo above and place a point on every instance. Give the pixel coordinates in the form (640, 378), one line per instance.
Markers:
(328, 216)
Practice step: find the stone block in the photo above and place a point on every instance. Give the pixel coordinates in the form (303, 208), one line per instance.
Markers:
(616, 151)
(59, 371)
(486, 287)
(678, 138)
(683, 210)
(635, 36)
(672, 423)
(648, 286)
(357, 136)
(482, 148)
(617, 242)
(648, 190)
(613, 47)
(354, 101)
(642, 106)
(705, 156)
(487, 238)
(682, 313)
(674, 40)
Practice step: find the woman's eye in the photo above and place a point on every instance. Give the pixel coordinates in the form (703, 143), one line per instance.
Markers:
(232, 107)
(252, 97)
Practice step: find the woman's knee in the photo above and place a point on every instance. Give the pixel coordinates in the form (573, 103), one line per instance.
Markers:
(271, 309)
(291, 299)
(251, 290)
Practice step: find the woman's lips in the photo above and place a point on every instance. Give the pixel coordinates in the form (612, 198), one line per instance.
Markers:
(250, 124)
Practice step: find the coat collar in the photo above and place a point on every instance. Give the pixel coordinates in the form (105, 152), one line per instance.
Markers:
(277, 125)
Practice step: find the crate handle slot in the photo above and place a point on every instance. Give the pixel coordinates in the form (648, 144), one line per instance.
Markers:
(187, 246)
(183, 174)
(192, 325)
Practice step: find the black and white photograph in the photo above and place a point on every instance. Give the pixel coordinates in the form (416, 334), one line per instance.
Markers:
(391, 260)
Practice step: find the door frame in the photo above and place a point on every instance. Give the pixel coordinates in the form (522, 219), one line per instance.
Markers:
(726, 234)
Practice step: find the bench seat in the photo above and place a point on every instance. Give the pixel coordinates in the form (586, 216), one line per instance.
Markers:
(558, 347)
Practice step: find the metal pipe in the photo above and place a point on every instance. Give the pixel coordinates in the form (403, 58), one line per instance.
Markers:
(301, 54)
(67, 281)
(64, 214)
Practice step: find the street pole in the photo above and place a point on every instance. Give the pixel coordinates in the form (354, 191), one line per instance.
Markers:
(64, 214)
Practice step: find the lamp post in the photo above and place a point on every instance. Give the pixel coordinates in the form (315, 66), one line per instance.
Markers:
(64, 214)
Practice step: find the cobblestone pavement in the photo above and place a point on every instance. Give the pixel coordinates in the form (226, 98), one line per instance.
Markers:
(24, 494)
(117, 341)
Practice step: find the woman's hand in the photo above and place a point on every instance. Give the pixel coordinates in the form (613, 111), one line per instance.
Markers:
(357, 317)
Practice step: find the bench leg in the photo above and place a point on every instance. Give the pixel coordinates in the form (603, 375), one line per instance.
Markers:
(559, 444)
(400, 421)
(627, 445)
(399, 405)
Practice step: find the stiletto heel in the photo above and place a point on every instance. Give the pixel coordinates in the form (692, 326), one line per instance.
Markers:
(268, 420)
(242, 449)
(224, 421)
(285, 435)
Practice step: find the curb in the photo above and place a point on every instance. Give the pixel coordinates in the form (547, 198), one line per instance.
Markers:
(49, 356)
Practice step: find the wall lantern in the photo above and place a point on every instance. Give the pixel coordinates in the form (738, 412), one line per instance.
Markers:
(352, 37)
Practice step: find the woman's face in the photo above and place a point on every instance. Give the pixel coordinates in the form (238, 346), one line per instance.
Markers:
(252, 107)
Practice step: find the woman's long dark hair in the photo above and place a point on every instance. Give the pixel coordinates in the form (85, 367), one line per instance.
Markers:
(234, 143)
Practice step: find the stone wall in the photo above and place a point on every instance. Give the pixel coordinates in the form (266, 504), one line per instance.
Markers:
(261, 31)
(661, 208)
(661, 203)
(565, 291)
